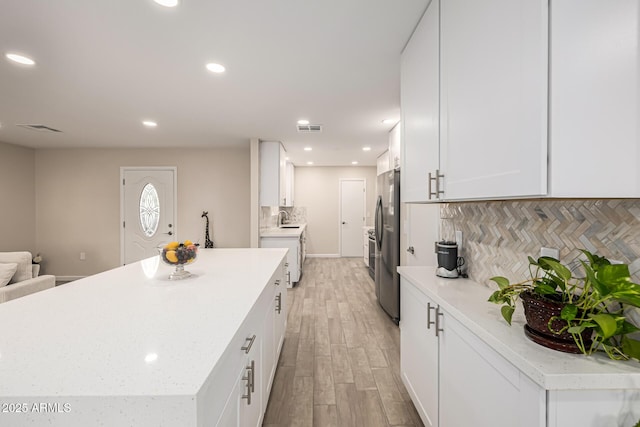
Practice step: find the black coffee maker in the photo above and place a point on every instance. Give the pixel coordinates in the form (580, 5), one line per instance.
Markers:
(449, 262)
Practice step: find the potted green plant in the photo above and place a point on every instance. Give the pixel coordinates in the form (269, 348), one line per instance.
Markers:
(583, 313)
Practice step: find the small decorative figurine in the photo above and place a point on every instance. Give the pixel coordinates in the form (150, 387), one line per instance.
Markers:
(208, 243)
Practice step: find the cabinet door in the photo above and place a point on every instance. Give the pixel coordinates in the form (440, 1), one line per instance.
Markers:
(382, 163)
(289, 178)
(595, 98)
(478, 387)
(395, 142)
(420, 102)
(419, 352)
(271, 189)
(282, 176)
(230, 415)
(493, 119)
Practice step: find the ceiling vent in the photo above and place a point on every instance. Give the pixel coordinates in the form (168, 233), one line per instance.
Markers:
(309, 128)
(39, 128)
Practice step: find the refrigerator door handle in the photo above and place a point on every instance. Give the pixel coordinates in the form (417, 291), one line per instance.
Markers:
(379, 223)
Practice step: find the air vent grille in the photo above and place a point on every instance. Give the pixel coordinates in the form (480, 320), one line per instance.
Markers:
(38, 128)
(309, 128)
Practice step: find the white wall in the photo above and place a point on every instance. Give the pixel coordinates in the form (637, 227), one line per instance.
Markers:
(17, 198)
(78, 201)
(318, 189)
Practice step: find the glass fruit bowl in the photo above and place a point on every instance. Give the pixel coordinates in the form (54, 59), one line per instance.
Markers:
(178, 254)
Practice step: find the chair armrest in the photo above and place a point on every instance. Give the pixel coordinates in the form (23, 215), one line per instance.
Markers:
(26, 287)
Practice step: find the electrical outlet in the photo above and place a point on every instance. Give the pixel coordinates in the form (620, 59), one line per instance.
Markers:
(83, 256)
(550, 252)
(459, 240)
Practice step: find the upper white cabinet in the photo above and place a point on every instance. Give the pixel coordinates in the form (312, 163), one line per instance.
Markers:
(594, 137)
(273, 175)
(289, 178)
(383, 163)
(420, 103)
(395, 139)
(493, 122)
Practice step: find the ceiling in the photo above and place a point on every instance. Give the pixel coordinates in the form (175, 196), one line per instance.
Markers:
(104, 66)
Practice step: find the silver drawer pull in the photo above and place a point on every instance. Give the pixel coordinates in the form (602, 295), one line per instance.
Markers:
(247, 347)
(279, 301)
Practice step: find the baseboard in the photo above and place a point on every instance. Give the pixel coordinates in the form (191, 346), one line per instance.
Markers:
(68, 278)
(323, 255)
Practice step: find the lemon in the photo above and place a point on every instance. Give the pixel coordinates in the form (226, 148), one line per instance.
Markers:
(172, 245)
(188, 242)
(171, 256)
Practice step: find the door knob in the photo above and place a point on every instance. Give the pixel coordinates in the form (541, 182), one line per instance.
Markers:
(410, 249)
(169, 233)
(344, 222)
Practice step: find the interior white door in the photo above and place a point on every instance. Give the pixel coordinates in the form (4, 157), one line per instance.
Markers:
(148, 211)
(352, 201)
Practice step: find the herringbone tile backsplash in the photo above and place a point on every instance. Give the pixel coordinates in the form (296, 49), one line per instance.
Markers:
(498, 236)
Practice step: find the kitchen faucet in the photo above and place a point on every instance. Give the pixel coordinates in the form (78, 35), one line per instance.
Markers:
(286, 215)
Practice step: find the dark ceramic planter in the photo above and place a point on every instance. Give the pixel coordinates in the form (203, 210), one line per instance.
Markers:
(538, 310)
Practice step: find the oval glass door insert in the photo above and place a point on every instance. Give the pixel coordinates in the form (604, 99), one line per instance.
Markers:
(149, 210)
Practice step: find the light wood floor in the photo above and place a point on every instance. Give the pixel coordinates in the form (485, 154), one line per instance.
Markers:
(340, 364)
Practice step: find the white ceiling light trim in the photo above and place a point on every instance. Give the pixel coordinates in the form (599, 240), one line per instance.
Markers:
(167, 3)
(216, 68)
(20, 59)
(303, 122)
(149, 123)
(309, 163)
(389, 121)
(366, 148)
(308, 148)
(354, 162)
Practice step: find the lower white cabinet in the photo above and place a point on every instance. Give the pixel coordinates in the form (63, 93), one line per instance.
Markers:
(419, 352)
(247, 369)
(456, 379)
(295, 257)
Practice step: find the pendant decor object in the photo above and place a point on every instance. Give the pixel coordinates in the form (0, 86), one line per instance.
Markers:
(208, 243)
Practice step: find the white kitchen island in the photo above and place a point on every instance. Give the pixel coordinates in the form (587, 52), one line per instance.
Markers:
(130, 347)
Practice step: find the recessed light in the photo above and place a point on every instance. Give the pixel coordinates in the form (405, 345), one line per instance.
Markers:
(149, 123)
(20, 59)
(151, 357)
(309, 163)
(216, 68)
(167, 3)
(366, 148)
(308, 148)
(389, 121)
(303, 122)
(354, 163)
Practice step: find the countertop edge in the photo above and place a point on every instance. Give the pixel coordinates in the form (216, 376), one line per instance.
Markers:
(548, 368)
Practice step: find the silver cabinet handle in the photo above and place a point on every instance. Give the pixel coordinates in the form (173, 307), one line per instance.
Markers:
(248, 378)
(436, 194)
(429, 321)
(288, 278)
(253, 375)
(279, 301)
(411, 250)
(247, 347)
(277, 282)
(437, 322)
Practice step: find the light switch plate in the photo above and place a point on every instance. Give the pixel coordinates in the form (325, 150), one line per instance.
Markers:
(459, 240)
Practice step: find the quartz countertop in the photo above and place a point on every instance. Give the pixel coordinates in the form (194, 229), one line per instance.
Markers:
(131, 331)
(466, 301)
(283, 232)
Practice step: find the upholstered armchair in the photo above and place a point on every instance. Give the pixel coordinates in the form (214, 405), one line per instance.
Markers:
(17, 276)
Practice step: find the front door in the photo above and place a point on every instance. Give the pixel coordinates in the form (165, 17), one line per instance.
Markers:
(352, 201)
(148, 211)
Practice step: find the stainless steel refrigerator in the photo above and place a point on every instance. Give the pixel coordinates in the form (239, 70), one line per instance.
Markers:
(387, 228)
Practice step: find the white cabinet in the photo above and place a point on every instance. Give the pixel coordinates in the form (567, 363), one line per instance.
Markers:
(395, 144)
(491, 390)
(289, 187)
(295, 256)
(446, 368)
(420, 101)
(595, 99)
(273, 175)
(419, 352)
(493, 122)
(383, 163)
(477, 120)
(247, 368)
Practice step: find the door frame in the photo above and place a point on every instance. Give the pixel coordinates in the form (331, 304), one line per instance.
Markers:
(124, 169)
(364, 208)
